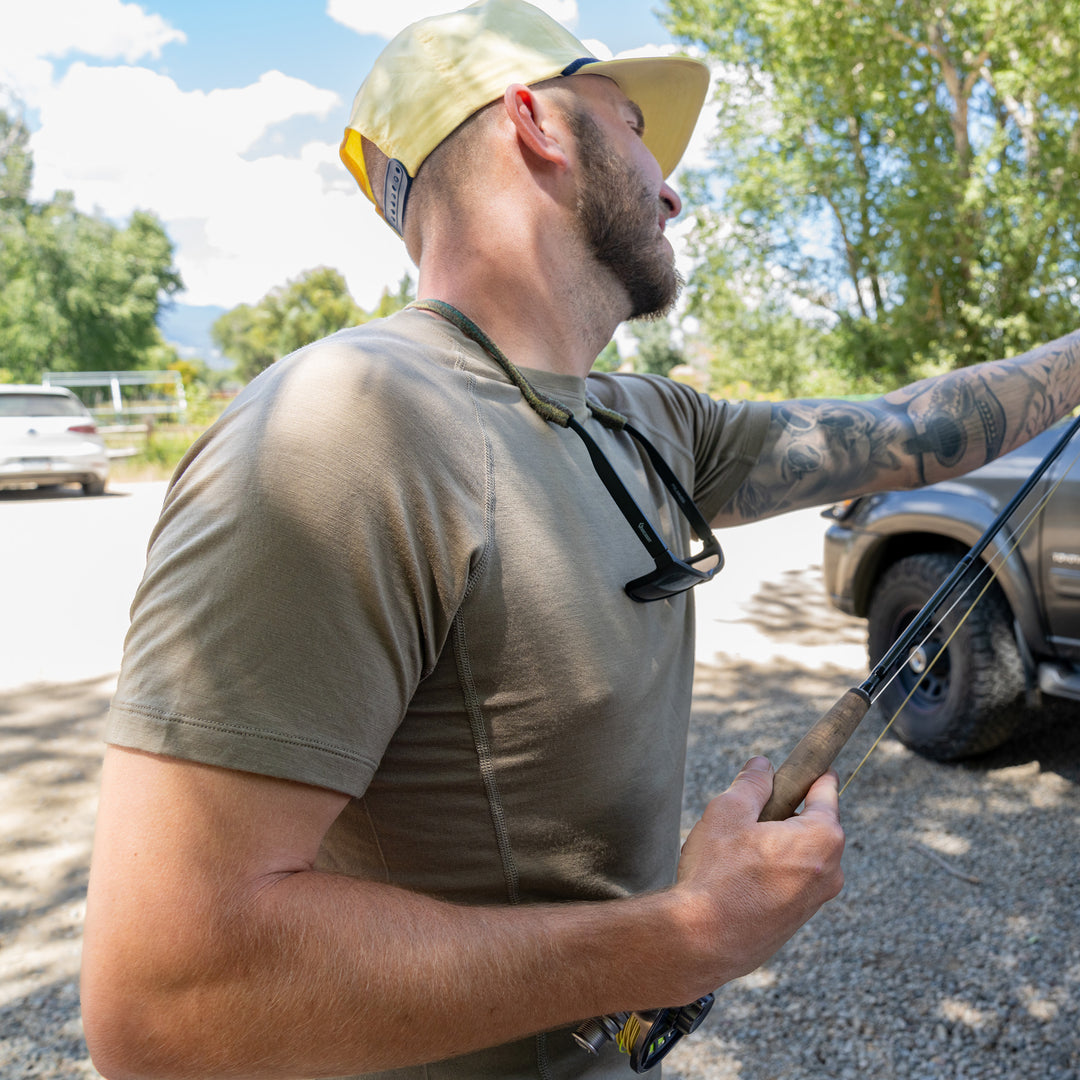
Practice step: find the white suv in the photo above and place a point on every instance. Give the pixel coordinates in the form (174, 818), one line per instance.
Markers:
(48, 438)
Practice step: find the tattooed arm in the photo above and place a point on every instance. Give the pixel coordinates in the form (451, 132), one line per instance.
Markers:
(821, 451)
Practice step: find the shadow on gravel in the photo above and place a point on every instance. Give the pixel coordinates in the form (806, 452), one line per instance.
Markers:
(41, 1036)
(50, 757)
(1049, 736)
(951, 951)
(792, 611)
(51, 722)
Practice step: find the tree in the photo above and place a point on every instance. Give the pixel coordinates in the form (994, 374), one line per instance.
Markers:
(609, 359)
(77, 293)
(656, 352)
(902, 175)
(295, 314)
(288, 317)
(389, 302)
(16, 163)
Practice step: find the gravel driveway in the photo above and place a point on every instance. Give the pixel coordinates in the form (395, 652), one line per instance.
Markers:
(953, 952)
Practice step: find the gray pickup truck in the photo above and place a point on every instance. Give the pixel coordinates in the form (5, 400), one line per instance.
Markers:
(886, 554)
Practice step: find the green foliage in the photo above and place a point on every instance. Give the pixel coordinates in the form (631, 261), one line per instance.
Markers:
(390, 302)
(16, 163)
(656, 353)
(895, 184)
(77, 293)
(609, 358)
(307, 308)
(303, 310)
(192, 372)
(158, 452)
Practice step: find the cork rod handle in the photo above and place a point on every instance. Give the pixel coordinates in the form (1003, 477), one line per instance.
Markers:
(815, 753)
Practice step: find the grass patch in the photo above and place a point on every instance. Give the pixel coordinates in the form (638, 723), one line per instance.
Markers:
(157, 452)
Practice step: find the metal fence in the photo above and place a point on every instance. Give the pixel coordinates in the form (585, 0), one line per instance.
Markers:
(121, 395)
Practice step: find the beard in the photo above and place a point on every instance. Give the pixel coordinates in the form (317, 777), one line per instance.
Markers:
(618, 216)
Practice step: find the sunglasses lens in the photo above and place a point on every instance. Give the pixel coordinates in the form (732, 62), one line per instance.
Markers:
(674, 579)
(708, 563)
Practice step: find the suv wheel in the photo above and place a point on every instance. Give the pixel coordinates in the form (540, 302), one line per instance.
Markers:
(966, 702)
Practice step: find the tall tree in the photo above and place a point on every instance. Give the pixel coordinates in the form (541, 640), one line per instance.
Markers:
(77, 293)
(16, 163)
(288, 317)
(903, 172)
(391, 301)
(295, 314)
(656, 352)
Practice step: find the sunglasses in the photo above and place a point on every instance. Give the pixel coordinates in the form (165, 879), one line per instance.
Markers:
(670, 576)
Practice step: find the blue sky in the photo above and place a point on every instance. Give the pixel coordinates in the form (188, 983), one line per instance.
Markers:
(224, 116)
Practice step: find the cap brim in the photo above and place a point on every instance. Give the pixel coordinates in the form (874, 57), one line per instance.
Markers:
(669, 90)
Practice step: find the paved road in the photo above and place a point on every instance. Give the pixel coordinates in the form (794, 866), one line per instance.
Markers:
(70, 564)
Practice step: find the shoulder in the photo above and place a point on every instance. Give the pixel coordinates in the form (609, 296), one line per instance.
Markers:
(388, 382)
(390, 362)
(359, 415)
(674, 412)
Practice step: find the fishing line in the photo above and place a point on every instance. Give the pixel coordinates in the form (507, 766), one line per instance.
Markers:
(1024, 527)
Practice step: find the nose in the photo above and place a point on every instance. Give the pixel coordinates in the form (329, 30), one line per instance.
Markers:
(670, 204)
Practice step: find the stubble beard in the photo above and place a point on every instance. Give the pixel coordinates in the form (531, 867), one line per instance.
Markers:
(618, 218)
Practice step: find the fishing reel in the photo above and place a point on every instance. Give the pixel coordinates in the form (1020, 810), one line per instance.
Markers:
(645, 1036)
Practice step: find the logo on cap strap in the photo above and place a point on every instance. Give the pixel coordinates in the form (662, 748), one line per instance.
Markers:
(395, 193)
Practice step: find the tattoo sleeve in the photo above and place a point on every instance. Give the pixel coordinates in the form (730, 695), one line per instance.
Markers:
(821, 451)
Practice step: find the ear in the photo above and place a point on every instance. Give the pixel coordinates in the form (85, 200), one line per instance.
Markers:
(531, 117)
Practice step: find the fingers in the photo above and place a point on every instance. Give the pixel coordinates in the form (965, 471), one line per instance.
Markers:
(823, 798)
(747, 886)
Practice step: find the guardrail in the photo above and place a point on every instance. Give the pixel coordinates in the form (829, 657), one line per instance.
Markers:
(124, 429)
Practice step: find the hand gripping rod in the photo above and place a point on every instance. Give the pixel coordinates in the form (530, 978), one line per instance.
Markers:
(814, 753)
(819, 746)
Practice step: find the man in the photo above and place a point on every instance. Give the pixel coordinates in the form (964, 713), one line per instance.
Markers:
(396, 754)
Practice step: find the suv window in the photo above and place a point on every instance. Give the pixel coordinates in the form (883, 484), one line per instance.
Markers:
(39, 405)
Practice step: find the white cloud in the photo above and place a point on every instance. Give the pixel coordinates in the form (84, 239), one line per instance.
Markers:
(35, 33)
(127, 137)
(385, 20)
(597, 48)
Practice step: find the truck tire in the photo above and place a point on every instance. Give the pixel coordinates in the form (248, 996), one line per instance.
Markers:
(968, 701)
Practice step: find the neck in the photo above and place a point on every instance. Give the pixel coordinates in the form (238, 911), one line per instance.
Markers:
(544, 312)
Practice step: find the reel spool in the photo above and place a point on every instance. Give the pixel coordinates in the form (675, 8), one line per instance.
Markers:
(645, 1036)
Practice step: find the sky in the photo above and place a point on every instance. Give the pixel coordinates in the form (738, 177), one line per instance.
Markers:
(223, 117)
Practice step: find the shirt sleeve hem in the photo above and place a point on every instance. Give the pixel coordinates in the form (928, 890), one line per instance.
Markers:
(239, 746)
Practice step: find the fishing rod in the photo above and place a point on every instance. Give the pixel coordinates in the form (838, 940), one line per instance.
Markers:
(648, 1036)
(818, 748)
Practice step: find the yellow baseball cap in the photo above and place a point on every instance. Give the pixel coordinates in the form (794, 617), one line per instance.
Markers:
(439, 71)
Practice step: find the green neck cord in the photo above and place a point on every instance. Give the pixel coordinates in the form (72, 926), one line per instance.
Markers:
(546, 407)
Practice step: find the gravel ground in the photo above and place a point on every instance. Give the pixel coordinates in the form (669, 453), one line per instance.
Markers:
(953, 952)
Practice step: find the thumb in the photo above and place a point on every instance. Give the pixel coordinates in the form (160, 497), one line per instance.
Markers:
(754, 784)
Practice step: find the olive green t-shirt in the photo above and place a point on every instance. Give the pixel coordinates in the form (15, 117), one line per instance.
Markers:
(381, 572)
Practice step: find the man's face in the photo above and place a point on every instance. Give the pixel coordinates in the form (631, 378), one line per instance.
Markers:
(621, 213)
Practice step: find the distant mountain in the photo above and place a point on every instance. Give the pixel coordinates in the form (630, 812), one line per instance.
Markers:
(187, 327)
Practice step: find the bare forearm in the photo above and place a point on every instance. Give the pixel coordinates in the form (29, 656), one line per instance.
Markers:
(321, 975)
(214, 949)
(821, 451)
